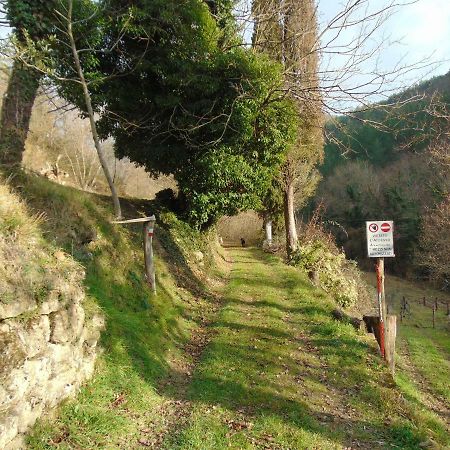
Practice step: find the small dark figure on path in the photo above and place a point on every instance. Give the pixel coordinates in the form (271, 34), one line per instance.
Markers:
(243, 242)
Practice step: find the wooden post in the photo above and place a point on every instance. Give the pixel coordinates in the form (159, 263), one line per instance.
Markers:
(149, 223)
(148, 254)
(424, 302)
(381, 302)
(434, 314)
(268, 227)
(436, 303)
(391, 333)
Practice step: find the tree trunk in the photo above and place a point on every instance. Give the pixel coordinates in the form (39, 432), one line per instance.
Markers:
(268, 229)
(87, 99)
(289, 220)
(17, 105)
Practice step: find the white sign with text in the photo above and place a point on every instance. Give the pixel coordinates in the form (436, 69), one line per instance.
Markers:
(380, 238)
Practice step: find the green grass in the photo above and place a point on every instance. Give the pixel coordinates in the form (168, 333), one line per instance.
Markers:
(277, 373)
(143, 332)
(280, 373)
(423, 352)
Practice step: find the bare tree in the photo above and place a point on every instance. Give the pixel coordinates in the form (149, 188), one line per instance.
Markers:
(87, 99)
(333, 68)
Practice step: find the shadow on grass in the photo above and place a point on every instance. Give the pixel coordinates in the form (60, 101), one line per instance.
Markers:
(140, 327)
(263, 399)
(239, 380)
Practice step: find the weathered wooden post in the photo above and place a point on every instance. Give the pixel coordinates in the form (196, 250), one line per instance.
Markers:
(391, 333)
(381, 304)
(424, 302)
(268, 228)
(434, 314)
(148, 252)
(148, 231)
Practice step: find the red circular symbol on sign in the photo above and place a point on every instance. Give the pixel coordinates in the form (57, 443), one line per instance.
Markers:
(385, 227)
(373, 227)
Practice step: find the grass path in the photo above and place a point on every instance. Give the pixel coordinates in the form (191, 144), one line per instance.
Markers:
(259, 364)
(279, 373)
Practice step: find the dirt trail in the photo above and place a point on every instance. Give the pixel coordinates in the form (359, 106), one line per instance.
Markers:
(173, 413)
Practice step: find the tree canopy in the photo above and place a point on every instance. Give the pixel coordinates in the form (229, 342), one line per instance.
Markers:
(179, 99)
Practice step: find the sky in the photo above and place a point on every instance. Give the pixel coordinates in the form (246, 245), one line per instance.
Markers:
(413, 41)
(423, 29)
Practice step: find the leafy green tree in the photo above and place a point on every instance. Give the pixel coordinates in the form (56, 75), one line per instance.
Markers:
(185, 102)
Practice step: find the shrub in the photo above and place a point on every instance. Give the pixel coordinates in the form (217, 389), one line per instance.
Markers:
(321, 259)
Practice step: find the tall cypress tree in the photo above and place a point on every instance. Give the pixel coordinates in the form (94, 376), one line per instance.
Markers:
(287, 31)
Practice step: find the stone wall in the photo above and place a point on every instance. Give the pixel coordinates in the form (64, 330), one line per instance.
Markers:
(47, 349)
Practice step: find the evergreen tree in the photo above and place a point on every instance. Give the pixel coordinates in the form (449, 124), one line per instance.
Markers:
(287, 31)
(186, 102)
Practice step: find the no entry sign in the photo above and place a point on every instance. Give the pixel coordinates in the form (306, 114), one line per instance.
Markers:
(380, 238)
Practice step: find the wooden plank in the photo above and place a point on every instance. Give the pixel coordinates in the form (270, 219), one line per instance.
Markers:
(139, 220)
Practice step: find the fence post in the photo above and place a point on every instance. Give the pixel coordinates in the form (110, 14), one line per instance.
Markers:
(434, 313)
(148, 253)
(424, 302)
(391, 333)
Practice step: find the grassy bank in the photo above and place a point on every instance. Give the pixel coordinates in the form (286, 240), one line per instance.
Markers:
(254, 363)
(144, 333)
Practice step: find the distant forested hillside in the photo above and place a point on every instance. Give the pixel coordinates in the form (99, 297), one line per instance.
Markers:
(376, 135)
(390, 163)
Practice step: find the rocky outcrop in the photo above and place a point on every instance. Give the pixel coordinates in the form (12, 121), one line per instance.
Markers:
(47, 339)
(44, 359)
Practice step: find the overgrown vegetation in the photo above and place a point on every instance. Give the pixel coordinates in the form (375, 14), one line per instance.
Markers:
(320, 258)
(30, 267)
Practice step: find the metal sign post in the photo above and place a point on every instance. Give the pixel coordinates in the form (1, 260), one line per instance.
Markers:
(148, 231)
(379, 266)
(380, 244)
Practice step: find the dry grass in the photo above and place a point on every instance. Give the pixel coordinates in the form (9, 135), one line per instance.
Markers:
(29, 268)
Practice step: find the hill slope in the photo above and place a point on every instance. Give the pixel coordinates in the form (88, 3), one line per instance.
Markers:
(392, 170)
(254, 363)
(406, 126)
